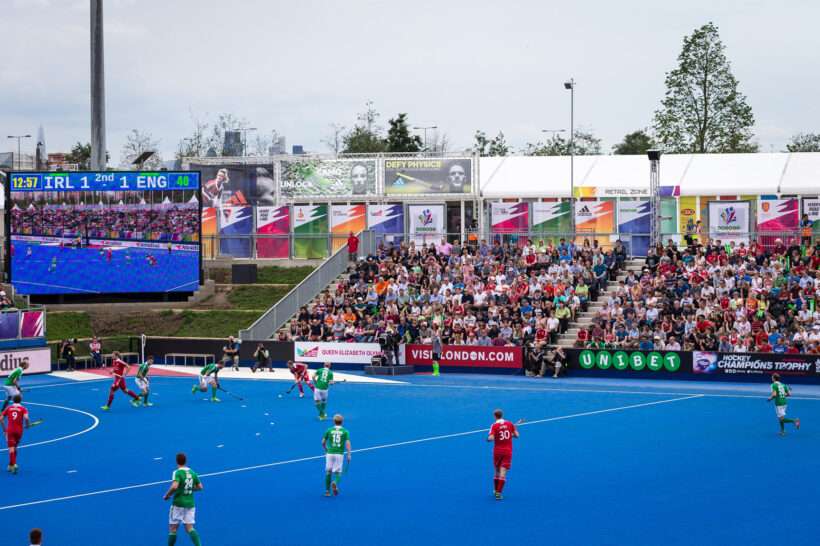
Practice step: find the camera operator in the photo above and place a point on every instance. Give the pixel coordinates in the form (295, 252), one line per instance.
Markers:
(556, 361)
(535, 359)
(389, 342)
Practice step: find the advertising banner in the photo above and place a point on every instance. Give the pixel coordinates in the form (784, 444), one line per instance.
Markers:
(310, 228)
(209, 232)
(387, 221)
(778, 219)
(304, 178)
(551, 217)
(629, 361)
(687, 213)
(33, 324)
(712, 363)
(466, 356)
(729, 221)
(273, 231)
(426, 223)
(237, 185)
(811, 207)
(345, 353)
(235, 227)
(343, 220)
(428, 176)
(634, 218)
(595, 217)
(9, 325)
(39, 360)
(509, 217)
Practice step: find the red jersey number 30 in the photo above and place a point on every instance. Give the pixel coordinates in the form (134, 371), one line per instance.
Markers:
(503, 434)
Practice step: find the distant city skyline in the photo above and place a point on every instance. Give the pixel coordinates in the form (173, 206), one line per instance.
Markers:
(297, 68)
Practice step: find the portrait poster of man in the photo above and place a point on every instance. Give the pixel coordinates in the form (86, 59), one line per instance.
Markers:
(328, 178)
(427, 176)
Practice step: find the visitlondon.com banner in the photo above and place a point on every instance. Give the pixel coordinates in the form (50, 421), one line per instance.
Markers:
(466, 356)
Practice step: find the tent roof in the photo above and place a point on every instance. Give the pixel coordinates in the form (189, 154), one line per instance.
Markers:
(732, 174)
(802, 174)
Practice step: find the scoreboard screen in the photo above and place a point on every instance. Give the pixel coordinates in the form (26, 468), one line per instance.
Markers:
(103, 232)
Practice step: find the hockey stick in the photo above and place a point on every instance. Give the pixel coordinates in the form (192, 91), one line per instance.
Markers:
(36, 422)
(229, 393)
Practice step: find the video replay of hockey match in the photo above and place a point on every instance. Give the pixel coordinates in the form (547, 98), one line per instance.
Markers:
(103, 232)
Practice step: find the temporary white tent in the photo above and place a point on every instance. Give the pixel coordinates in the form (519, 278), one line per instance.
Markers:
(801, 175)
(732, 174)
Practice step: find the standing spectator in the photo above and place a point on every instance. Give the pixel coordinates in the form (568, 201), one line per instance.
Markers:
(352, 246)
(262, 356)
(95, 348)
(230, 352)
(805, 231)
(5, 301)
(67, 353)
(436, 342)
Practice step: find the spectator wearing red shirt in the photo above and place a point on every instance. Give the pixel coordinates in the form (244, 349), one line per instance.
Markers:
(352, 246)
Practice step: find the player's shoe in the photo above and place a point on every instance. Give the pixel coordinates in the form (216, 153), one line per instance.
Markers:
(148, 404)
(327, 493)
(8, 469)
(135, 402)
(105, 408)
(14, 469)
(301, 395)
(215, 399)
(193, 389)
(797, 424)
(498, 496)
(335, 488)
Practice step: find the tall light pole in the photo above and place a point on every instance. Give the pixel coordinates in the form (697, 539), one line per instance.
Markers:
(98, 152)
(570, 85)
(419, 128)
(19, 138)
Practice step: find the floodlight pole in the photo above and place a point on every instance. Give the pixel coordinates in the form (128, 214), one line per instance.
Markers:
(654, 196)
(98, 155)
(419, 128)
(19, 157)
(570, 86)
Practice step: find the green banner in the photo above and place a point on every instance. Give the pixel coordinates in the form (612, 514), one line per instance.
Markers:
(635, 361)
(310, 231)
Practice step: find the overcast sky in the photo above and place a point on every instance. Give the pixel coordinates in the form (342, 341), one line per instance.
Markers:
(297, 66)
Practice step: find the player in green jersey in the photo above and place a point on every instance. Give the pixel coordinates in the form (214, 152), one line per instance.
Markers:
(53, 265)
(209, 375)
(184, 482)
(12, 383)
(780, 392)
(335, 441)
(322, 379)
(142, 380)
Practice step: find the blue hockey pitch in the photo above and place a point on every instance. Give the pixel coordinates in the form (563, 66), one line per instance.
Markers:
(598, 462)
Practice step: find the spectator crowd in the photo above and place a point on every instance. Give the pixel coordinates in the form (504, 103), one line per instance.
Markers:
(715, 297)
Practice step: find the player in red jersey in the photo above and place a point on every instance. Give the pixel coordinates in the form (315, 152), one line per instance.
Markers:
(119, 371)
(502, 433)
(300, 373)
(16, 415)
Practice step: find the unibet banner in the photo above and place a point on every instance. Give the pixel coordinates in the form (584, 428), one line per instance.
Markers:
(310, 229)
(629, 361)
(729, 221)
(304, 178)
(426, 223)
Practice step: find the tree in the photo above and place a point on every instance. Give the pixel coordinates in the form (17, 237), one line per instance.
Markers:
(135, 144)
(703, 111)
(804, 142)
(634, 143)
(399, 138)
(81, 155)
(365, 137)
(584, 144)
(484, 146)
(334, 140)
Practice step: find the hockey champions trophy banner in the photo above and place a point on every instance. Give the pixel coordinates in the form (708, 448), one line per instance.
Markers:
(426, 223)
(510, 217)
(634, 221)
(209, 233)
(596, 218)
(343, 220)
(729, 221)
(551, 217)
(304, 178)
(273, 232)
(235, 226)
(778, 219)
(428, 176)
(310, 228)
(387, 221)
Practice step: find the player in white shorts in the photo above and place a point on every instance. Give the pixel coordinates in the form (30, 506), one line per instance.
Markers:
(184, 482)
(142, 380)
(335, 442)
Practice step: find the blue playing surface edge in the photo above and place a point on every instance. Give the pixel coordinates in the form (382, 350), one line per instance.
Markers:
(639, 463)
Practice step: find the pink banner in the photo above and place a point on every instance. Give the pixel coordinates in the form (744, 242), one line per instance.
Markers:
(778, 219)
(33, 324)
(273, 227)
(466, 356)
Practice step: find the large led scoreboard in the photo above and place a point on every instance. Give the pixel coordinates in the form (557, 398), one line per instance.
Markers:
(105, 232)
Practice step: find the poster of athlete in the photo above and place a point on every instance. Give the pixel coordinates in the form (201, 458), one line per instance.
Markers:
(428, 176)
(236, 185)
